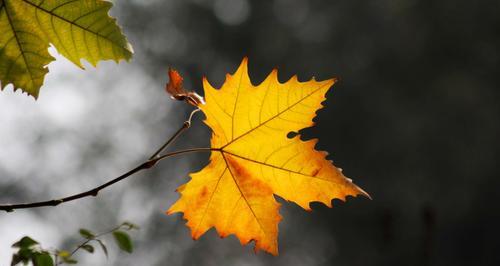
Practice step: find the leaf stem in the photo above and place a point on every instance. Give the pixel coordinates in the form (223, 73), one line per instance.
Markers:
(88, 240)
(184, 127)
(78, 248)
(95, 238)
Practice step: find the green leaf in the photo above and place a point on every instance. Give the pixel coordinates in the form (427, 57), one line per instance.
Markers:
(123, 241)
(86, 233)
(78, 29)
(88, 248)
(25, 242)
(42, 259)
(16, 258)
(25, 254)
(103, 247)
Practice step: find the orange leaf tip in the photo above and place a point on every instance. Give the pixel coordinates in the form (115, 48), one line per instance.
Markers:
(176, 90)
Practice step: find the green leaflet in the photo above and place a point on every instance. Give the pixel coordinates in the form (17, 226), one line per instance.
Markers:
(78, 29)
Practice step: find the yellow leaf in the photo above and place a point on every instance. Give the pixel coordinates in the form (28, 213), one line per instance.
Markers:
(255, 159)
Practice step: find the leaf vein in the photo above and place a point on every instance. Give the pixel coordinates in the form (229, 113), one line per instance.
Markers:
(210, 200)
(242, 194)
(273, 117)
(70, 22)
(274, 166)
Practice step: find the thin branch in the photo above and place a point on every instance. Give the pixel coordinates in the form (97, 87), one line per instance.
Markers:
(94, 238)
(155, 158)
(88, 240)
(185, 125)
(78, 248)
(93, 192)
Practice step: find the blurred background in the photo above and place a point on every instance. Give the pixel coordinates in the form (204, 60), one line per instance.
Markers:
(413, 120)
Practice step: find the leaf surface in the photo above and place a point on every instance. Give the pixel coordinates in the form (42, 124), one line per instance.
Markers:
(78, 29)
(255, 160)
(123, 241)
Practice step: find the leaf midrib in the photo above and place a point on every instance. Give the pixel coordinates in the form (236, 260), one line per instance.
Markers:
(276, 167)
(4, 5)
(73, 23)
(242, 194)
(272, 117)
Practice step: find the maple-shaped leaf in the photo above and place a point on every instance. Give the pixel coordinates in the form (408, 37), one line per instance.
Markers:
(78, 29)
(254, 159)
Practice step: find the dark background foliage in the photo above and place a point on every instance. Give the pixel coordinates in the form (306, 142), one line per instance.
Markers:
(413, 121)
